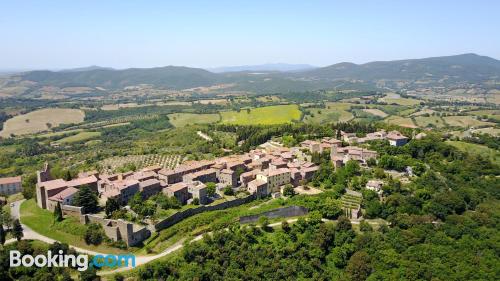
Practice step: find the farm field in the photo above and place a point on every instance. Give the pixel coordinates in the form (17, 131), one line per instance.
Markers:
(40, 120)
(333, 112)
(376, 112)
(141, 161)
(81, 136)
(183, 119)
(400, 121)
(492, 154)
(396, 99)
(465, 121)
(263, 115)
(121, 105)
(435, 121)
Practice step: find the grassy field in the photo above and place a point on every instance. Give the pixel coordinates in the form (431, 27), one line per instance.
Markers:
(396, 99)
(376, 112)
(67, 231)
(430, 121)
(40, 120)
(263, 115)
(333, 112)
(81, 136)
(472, 148)
(183, 119)
(465, 121)
(400, 121)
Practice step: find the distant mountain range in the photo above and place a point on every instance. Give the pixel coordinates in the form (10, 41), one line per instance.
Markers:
(398, 74)
(282, 67)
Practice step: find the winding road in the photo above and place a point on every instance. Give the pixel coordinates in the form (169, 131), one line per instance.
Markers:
(30, 234)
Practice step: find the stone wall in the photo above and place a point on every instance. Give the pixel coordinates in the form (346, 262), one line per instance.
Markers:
(119, 229)
(179, 216)
(71, 210)
(292, 211)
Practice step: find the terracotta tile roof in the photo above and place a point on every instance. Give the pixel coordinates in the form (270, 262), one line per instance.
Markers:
(10, 180)
(67, 192)
(176, 187)
(53, 184)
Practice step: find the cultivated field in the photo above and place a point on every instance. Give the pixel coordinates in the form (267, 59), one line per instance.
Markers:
(465, 121)
(263, 115)
(141, 161)
(40, 120)
(396, 99)
(376, 112)
(81, 136)
(435, 121)
(333, 112)
(400, 121)
(183, 119)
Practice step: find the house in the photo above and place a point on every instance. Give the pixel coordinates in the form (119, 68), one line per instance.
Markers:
(312, 146)
(375, 185)
(177, 190)
(64, 197)
(259, 187)
(198, 190)
(396, 138)
(121, 190)
(45, 190)
(149, 188)
(176, 175)
(209, 175)
(247, 177)
(348, 137)
(275, 178)
(228, 178)
(11, 185)
(340, 155)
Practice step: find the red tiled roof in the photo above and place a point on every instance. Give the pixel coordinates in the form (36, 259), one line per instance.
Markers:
(10, 180)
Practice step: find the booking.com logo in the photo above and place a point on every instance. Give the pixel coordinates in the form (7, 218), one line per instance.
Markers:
(81, 262)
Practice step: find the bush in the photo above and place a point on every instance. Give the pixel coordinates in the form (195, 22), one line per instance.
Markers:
(94, 234)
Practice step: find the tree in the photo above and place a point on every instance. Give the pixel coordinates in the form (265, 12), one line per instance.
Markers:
(343, 224)
(58, 215)
(288, 190)
(358, 267)
(210, 188)
(196, 201)
(29, 185)
(17, 230)
(111, 205)
(285, 226)
(331, 209)
(365, 226)
(2, 235)
(228, 190)
(93, 234)
(263, 222)
(86, 199)
(89, 275)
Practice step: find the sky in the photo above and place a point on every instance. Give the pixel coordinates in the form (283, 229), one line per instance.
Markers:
(61, 34)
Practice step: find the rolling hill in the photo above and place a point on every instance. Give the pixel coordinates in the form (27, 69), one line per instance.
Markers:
(399, 74)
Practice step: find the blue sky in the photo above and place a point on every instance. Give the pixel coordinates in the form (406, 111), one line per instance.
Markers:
(62, 34)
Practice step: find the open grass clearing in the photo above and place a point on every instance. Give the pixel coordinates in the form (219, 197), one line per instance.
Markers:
(472, 148)
(465, 121)
(41, 120)
(81, 136)
(267, 115)
(183, 119)
(68, 231)
(400, 121)
(431, 121)
(333, 112)
(376, 112)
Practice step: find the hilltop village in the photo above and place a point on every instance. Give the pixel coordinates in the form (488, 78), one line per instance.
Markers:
(261, 172)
